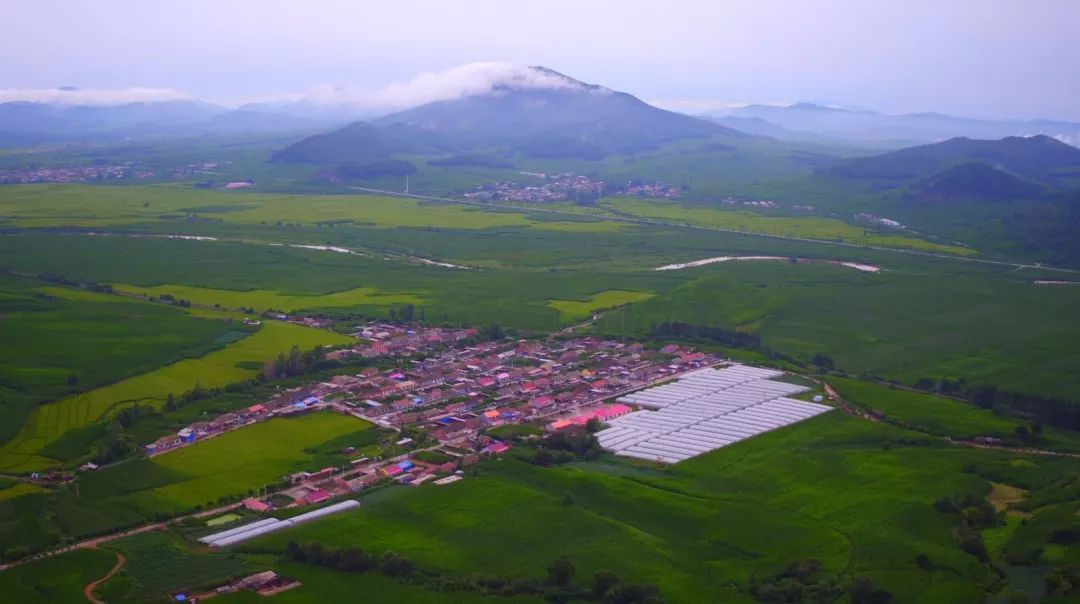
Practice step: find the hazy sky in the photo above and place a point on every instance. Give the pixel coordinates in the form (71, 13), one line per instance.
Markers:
(987, 58)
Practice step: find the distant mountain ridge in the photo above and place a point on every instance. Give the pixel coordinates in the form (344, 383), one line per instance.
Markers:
(1040, 159)
(568, 119)
(803, 121)
(31, 123)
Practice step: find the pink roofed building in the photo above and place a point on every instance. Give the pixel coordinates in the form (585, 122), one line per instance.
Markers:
(541, 402)
(255, 505)
(497, 447)
(317, 496)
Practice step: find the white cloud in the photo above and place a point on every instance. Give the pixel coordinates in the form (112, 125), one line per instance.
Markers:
(457, 82)
(91, 96)
(704, 106)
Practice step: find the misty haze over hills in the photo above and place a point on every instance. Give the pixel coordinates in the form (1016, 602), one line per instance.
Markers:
(72, 115)
(808, 121)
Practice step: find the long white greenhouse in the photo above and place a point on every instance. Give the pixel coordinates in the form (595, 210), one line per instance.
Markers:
(703, 411)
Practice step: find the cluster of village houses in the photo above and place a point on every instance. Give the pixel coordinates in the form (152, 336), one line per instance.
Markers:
(567, 185)
(460, 389)
(73, 174)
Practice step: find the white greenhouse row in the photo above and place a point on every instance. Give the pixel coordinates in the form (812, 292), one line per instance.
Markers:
(703, 411)
(272, 525)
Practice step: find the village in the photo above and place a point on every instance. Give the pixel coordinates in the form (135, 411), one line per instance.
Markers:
(124, 171)
(447, 407)
(569, 186)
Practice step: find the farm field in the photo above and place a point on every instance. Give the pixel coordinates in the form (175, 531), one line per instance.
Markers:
(936, 414)
(854, 495)
(574, 310)
(64, 333)
(47, 423)
(18, 490)
(56, 580)
(808, 227)
(82, 206)
(906, 323)
(160, 563)
(229, 464)
(262, 300)
(322, 585)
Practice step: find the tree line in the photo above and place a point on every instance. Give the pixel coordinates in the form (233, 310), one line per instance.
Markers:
(557, 586)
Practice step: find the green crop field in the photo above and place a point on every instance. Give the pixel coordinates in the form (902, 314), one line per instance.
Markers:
(265, 299)
(80, 206)
(934, 414)
(47, 423)
(320, 585)
(808, 227)
(574, 310)
(56, 580)
(233, 463)
(854, 495)
(160, 564)
(19, 489)
(69, 339)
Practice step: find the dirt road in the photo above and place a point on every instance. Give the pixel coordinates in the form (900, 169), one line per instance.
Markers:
(88, 591)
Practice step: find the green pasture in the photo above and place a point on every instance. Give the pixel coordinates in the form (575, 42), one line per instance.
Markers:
(47, 423)
(574, 310)
(854, 495)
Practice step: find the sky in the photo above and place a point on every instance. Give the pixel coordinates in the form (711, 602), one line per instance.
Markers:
(978, 58)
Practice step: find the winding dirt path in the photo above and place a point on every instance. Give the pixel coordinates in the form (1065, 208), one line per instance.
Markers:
(88, 591)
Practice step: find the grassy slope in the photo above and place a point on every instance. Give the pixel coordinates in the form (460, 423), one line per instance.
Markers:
(826, 489)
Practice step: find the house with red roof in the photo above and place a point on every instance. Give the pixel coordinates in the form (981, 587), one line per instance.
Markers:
(541, 402)
(317, 496)
(256, 505)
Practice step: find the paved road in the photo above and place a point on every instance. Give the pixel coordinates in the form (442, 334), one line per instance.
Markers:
(689, 225)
